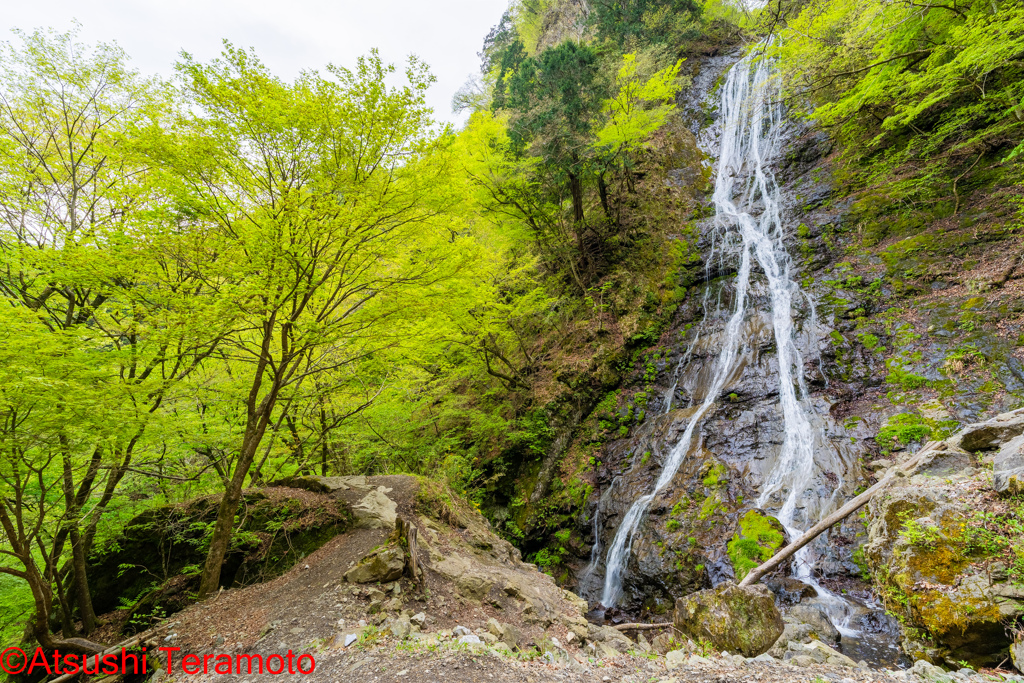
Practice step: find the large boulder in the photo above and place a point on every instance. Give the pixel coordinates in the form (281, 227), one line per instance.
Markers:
(375, 511)
(990, 434)
(739, 620)
(920, 552)
(1008, 467)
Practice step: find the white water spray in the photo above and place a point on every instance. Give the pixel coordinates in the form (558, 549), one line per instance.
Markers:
(748, 221)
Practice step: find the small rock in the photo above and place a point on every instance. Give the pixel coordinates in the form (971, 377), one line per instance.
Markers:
(401, 628)
(462, 631)
(420, 619)
(929, 672)
(803, 660)
(1008, 467)
(1017, 653)
(662, 643)
(675, 659)
(815, 616)
(470, 639)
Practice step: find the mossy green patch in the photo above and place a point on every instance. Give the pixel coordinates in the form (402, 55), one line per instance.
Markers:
(902, 429)
(757, 540)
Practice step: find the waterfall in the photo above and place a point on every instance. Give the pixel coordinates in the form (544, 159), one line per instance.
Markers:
(748, 224)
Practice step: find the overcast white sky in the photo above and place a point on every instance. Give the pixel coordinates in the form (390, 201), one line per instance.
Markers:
(289, 35)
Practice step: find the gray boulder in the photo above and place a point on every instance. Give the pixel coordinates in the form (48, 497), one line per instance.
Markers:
(1017, 653)
(815, 617)
(375, 511)
(675, 659)
(401, 628)
(792, 633)
(818, 652)
(743, 620)
(1008, 467)
(505, 633)
(662, 643)
(612, 637)
(383, 565)
(990, 434)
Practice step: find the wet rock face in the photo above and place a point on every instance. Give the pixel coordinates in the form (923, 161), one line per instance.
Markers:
(738, 620)
(681, 545)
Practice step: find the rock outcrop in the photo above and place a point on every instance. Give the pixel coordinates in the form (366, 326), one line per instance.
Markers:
(936, 550)
(739, 620)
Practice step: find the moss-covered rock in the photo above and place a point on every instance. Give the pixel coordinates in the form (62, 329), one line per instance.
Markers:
(739, 620)
(380, 566)
(757, 538)
(937, 550)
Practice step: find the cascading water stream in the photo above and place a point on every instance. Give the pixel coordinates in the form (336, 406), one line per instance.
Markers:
(748, 224)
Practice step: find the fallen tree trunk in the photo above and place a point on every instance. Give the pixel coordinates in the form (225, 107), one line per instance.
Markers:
(642, 627)
(842, 513)
(128, 643)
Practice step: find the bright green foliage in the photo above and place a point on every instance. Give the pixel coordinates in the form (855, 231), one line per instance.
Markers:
(638, 107)
(927, 91)
(756, 541)
(272, 278)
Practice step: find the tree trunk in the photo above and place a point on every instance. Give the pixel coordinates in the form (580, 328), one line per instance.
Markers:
(224, 527)
(79, 580)
(323, 439)
(602, 190)
(259, 418)
(842, 513)
(576, 190)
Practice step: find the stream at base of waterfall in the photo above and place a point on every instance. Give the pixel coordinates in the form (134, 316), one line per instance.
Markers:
(747, 237)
